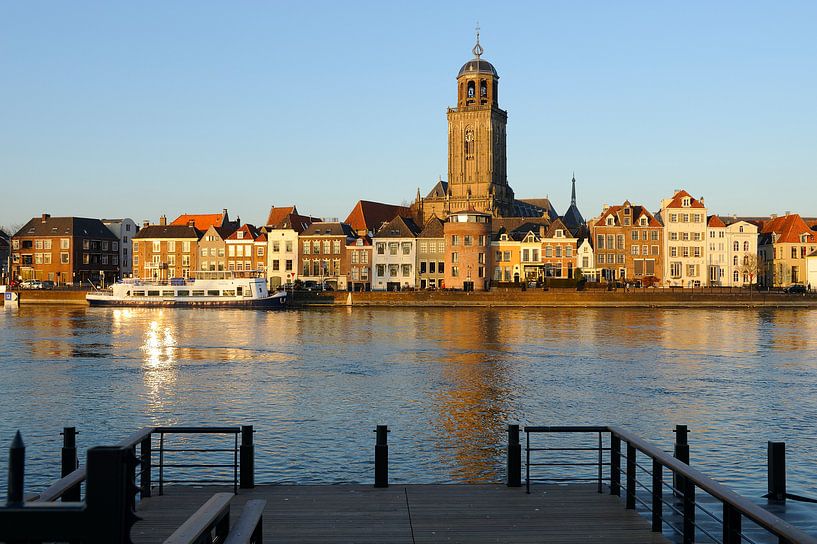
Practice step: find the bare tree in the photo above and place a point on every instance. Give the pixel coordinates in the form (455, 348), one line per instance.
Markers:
(751, 267)
(11, 229)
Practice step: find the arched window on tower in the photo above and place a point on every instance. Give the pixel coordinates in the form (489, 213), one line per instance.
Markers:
(469, 143)
(471, 89)
(483, 88)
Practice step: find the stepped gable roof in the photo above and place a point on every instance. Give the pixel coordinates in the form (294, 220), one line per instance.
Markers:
(202, 221)
(543, 205)
(440, 190)
(678, 197)
(248, 233)
(46, 225)
(168, 231)
(399, 227)
(433, 229)
(329, 228)
(715, 222)
(789, 229)
(367, 216)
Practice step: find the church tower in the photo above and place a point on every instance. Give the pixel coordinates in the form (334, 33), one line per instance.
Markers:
(477, 175)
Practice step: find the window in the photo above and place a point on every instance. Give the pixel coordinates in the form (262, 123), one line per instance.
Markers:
(423, 267)
(499, 256)
(468, 240)
(745, 245)
(685, 251)
(620, 241)
(506, 256)
(634, 235)
(406, 247)
(393, 270)
(696, 251)
(481, 258)
(276, 264)
(735, 276)
(675, 269)
(455, 271)
(548, 252)
(406, 270)
(673, 218)
(432, 267)
(276, 246)
(381, 270)
(482, 240)
(692, 270)
(673, 251)
(634, 250)
(525, 255)
(288, 246)
(736, 246)
(599, 241)
(558, 252)
(327, 247)
(440, 267)
(455, 257)
(46, 258)
(455, 240)
(735, 260)
(185, 260)
(46, 244)
(336, 247)
(157, 247)
(381, 248)
(684, 218)
(568, 251)
(423, 247)
(64, 258)
(393, 248)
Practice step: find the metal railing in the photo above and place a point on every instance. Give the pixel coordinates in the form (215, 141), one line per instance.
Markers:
(685, 506)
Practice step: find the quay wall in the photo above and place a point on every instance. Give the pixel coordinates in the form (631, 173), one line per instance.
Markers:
(557, 298)
(56, 296)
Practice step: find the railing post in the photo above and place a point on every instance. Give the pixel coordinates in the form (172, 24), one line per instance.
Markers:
(381, 457)
(682, 454)
(657, 494)
(108, 493)
(630, 501)
(777, 471)
(17, 470)
(731, 525)
(145, 454)
(615, 465)
(247, 455)
(514, 475)
(689, 511)
(69, 461)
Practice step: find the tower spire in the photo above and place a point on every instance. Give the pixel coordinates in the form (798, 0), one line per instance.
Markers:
(573, 192)
(477, 50)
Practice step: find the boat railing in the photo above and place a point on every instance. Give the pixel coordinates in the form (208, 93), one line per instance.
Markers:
(194, 276)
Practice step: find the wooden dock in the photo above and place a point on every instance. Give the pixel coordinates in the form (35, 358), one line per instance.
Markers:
(412, 514)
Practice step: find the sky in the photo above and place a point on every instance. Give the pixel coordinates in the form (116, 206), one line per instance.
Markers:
(137, 109)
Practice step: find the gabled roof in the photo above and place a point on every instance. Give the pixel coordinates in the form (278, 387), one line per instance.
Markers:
(249, 233)
(440, 190)
(637, 213)
(168, 231)
(327, 228)
(277, 214)
(433, 229)
(789, 229)
(66, 226)
(573, 219)
(558, 225)
(203, 221)
(678, 197)
(367, 216)
(715, 222)
(399, 227)
(360, 240)
(512, 223)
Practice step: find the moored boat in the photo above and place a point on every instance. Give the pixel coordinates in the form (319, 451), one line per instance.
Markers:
(225, 289)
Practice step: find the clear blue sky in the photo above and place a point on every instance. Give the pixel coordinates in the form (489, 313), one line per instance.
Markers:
(136, 109)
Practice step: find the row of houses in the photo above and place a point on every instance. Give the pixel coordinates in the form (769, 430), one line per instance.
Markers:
(384, 247)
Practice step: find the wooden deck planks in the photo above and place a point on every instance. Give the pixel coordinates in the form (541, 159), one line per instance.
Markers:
(438, 513)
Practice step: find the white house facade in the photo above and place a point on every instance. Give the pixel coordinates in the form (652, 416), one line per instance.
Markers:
(395, 255)
(685, 235)
(124, 229)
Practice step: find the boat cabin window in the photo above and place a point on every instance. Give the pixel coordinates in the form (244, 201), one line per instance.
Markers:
(198, 292)
(248, 292)
(138, 293)
(228, 293)
(183, 293)
(240, 290)
(167, 293)
(153, 293)
(212, 292)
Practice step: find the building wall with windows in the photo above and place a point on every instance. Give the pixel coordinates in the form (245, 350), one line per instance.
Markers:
(124, 229)
(65, 250)
(558, 251)
(359, 263)
(322, 253)
(395, 255)
(627, 244)
(247, 250)
(162, 251)
(585, 259)
(783, 246)
(506, 253)
(731, 252)
(685, 240)
(467, 245)
(431, 255)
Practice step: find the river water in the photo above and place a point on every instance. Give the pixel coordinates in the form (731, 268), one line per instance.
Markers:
(314, 383)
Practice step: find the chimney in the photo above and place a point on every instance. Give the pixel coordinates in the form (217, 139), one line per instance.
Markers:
(163, 220)
(702, 201)
(145, 223)
(191, 223)
(788, 212)
(772, 216)
(542, 231)
(46, 217)
(605, 208)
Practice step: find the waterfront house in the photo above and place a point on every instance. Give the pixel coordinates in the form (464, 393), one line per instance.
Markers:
(322, 261)
(783, 245)
(213, 247)
(811, 270)
(163, 251)
(65, 250)
(5, 256)
(585, 258)
(124, 229)
(367, 217)
(284, 226)
(505, 249)
(467, 243)
(431, 254)
(358, 259)
(684, 219)
(627, 243)
(558, 246)
(731, 252)
(395, 255)
(246, 249)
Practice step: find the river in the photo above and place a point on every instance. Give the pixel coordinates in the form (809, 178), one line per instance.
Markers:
(314, 383)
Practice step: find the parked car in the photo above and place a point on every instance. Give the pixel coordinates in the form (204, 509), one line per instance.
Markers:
(48, 284)
(31, 284)
(795, 289)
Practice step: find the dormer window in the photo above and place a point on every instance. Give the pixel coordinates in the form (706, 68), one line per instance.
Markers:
(685, 202)
(560, 233)
(626, 211)
(503, 237)
(610, 221)
(240, 235)
(643, 221)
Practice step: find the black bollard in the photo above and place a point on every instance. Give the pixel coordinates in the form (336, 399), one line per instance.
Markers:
(381, 457)
(682, 454)
(69, 461)
(514, 457)
(247, 455)
(777, 471)
(17, 468)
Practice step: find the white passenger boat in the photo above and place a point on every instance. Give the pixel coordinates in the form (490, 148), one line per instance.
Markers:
(225, 289)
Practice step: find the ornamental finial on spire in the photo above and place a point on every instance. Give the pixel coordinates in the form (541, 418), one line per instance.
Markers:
(477, 48)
